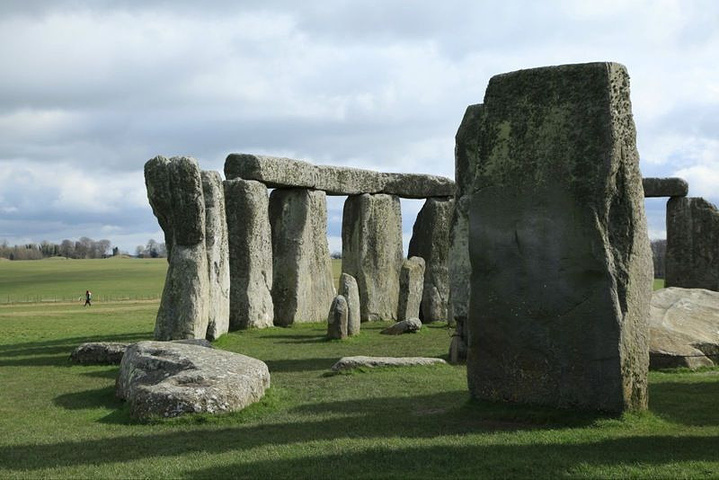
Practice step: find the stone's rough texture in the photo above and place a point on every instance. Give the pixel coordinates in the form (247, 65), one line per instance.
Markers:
(174, 189)
(218, 255)
(169, 379)
(287, 173)
(684, 328)
(250, 244)
(561, 263)
(99, 353)
(411, 284)
(665, 187)
(460, 270)
(458, 345)
(349, 290)
(466, 150)
(430, 240)
(411, 325)
(348, 363)
(302, 287)
(372, 252)
(337, 318)
(692, 258)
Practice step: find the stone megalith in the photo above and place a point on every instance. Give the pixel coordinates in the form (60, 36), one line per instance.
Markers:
(218, 261)
(692, 258)
(411, 285)
(250, 244)
(337, 318)
(430, 240)
(302, 286)
(349, 290)
(174, 189)
(458, 264)
(372, 252)
(561, 263)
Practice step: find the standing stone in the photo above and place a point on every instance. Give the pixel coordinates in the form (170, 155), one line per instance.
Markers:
(250, 244)
(349, 290)
(302, 287)
(561, 263)
(372, 252)
(337, 318)
(692, 258)
(218, 261)
(411, 285)
(458, 264)
(430, 240)
(174, 189)
(466, 149)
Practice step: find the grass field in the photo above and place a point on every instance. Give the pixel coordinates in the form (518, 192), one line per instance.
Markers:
(59, 420)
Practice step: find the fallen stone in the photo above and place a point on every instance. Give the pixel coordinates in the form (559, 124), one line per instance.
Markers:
(276, 172)
(349, 290)
(411, 285)
(99, 353)
(174, 189)
(163, 379)
(372, 252)
(337, 319)
(692, 257)
(218, 261)
(250, 245)
(348, 363)
(430, 240)
(411, 325)
(665, 187)
(302, 286)
(560, 255)
(684, 328)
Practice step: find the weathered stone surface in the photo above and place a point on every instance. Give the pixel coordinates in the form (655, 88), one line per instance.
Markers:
(349, 290)
(430, 240)
(411, 325)
(337, 318)
(279, 172)
(665, 187)
(466, 149)
(250, 244)
(164, 379)
(372, 252)
(99, 353)
(460, 270)
(174, 189)
(692, 258)
(218, 255)
(561, 263)
(302, 287)
(458, 344)
(411, 285)
(684, 328)
(348, 363)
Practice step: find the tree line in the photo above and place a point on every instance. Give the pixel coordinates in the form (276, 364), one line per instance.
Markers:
(83, 248)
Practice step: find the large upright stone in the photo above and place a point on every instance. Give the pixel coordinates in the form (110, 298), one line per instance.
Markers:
(411, 285)
(337, 318)
(561, 263)
(692, 258)
(218, 261)
(302, 286)
(250, 244)
(372, 252)
(430, 240)
(458, 264)
(349, 290)
(174, 189)
(466, 149)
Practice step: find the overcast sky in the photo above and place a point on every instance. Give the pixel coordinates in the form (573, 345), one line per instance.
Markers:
(90, 90)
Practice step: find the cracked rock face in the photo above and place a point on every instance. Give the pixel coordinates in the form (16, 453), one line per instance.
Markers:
(558, 244)
(165, 379)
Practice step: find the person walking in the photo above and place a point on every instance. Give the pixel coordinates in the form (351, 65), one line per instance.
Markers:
(88, 298)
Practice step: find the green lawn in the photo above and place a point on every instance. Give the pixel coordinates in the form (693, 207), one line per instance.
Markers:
(59, 420)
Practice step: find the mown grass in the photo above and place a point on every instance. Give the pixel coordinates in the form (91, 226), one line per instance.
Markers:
(61, 420)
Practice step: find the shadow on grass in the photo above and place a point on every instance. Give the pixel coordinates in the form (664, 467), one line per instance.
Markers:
(686, 403)
(483, 461)
(95, 398)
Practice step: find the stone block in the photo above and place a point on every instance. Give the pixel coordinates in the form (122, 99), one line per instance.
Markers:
(337, 318)
(349, 290)
(411, 285)
(665, 187)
